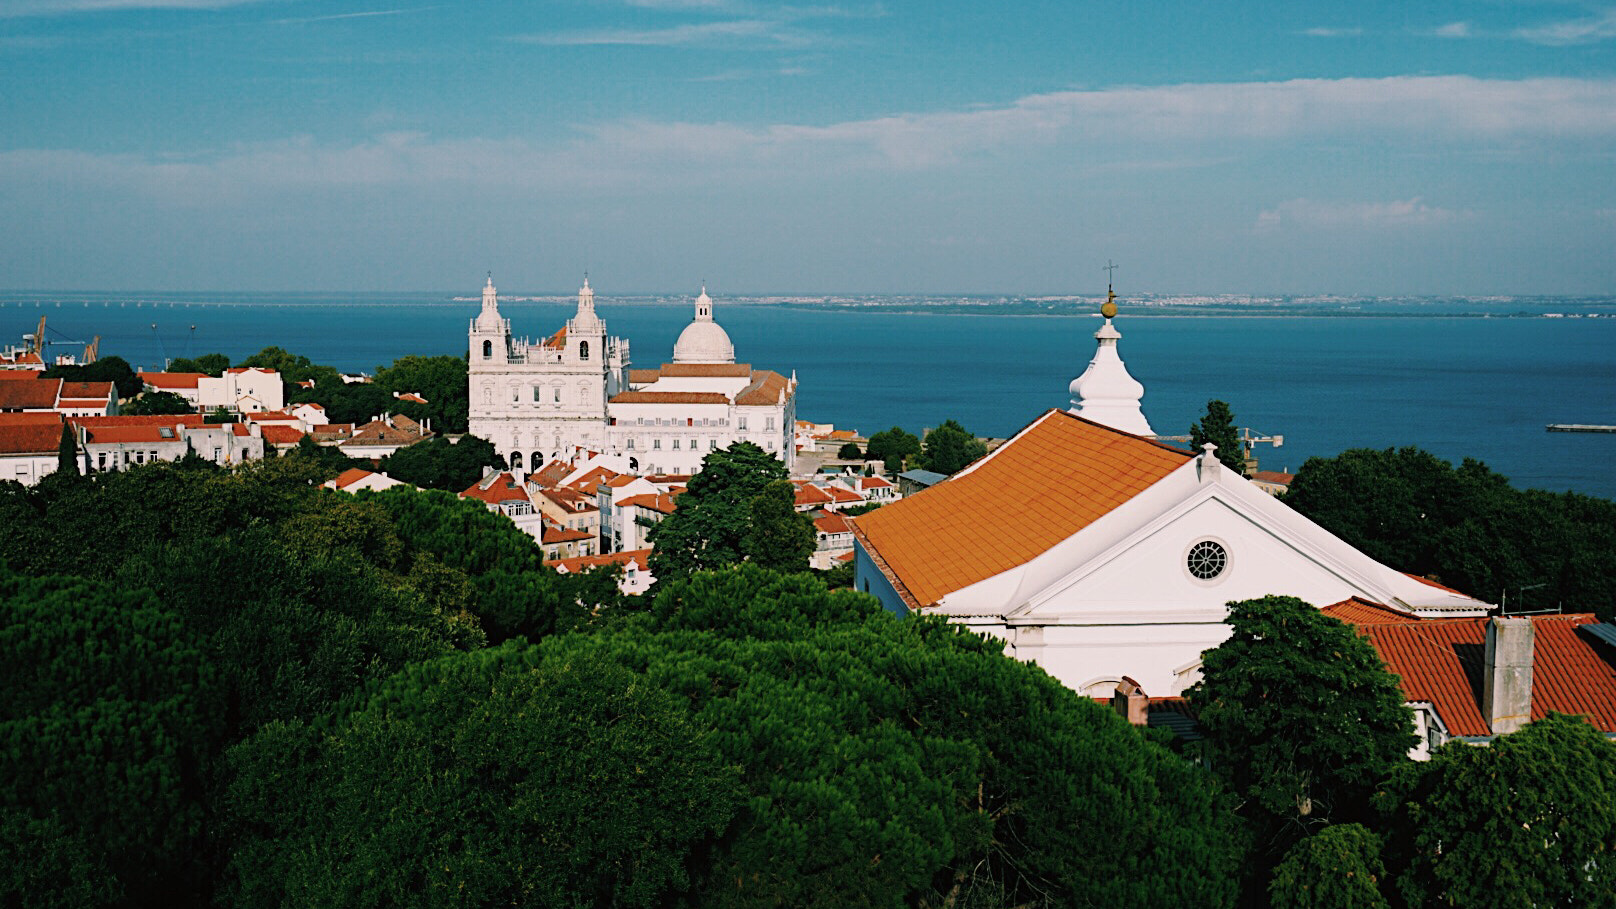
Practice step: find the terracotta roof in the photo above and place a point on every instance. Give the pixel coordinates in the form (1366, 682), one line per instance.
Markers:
(1440, 661)
(16, 375)
(30, 438)
(1050, 481)
(833, 522)
(238, 370)
(1439, 586)
(410, 396)
(573, 501)
(840, 434)
(1356, 611)
(767, 388)
(167, 380)
(124, 435)
(844, 557)
(643, 376)
(350, 476)
(704, 370)
(551, 474)
(845, 496)
(100, 421)
(31, 359)
(396, 430)
(554, 534)
(272, 416)
(809, 494)
(874, 483)
(495, 489)
(669, 397)
(640, 558)
(33, 418)
(661, 502)
(96, 391)
(37, 395)
(1276, 477)
(591, 480)
(282, 435)
(315, 405)
(332, 430)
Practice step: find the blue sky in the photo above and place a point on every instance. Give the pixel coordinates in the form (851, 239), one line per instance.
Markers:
(847, 147)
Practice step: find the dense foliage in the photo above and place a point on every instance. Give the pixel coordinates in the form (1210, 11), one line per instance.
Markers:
(157, 402)
(482, 779)
(212, 364)
(1301, 718)
(892, 762)
(1217, 426)
(950, 447)
(730, 512)
(441, 380)
(439, 463)
(1339, 868)
(106, 369)
(1467, 527)
(892, 447)
(849, 452)
(1528, 821)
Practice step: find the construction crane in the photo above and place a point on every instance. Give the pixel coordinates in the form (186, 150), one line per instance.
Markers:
(92, 350)
(35, 343)
(1249, 440)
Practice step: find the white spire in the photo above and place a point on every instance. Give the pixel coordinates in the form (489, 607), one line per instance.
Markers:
(1105, 393)
(488, 319)
(586, 320)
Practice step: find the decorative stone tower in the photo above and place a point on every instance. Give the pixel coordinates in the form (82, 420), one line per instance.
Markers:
(1105, 392)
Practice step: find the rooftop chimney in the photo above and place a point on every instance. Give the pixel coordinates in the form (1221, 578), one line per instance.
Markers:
(1130, 703)
(1506, 675)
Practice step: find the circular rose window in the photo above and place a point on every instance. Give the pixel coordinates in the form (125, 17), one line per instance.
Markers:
(1207, 560)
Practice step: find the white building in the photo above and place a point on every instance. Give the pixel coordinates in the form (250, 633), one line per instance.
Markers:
(243, 389)
(1101, 554)
(573, 394)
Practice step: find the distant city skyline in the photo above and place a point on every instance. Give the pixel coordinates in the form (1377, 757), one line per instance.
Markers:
(894, 147)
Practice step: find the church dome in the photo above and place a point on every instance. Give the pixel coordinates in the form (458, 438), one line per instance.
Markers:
(703, 340)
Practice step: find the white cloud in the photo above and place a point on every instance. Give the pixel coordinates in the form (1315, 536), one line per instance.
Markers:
(1316, 213)
(1325, 32)
(751, 31)
(1455, 30)
(10, 9)
(1600, 27)
(1175, 125)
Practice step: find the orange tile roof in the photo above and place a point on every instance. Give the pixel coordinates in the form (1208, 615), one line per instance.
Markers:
(180, 419)
(558, 340)
(767, 388)
(164, 380)
(272, 416)
(32, 418)
(1438, 659)
(550, 474)
(496, 488)
(1054, 478)
(25, 375)
(661, 502)
(643, 376)
(669, 397)
(1277, 477)
(832, 522)
(114, 435)
(705, 370)
(1357, 611)
(591, 480)
(30, 438)
(98, 391)
(640, 558)
(873, 483)
(282, 435)
(554, 534)
(350, 476)
(37, 395)
(845, 496)
(809, 494)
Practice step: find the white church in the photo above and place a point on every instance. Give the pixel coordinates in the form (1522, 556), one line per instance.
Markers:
(573, 394)
(1102, 554)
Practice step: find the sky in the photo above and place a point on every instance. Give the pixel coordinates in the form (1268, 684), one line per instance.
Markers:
(929, 147)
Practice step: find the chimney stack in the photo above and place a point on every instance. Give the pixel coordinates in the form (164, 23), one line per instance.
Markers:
(1130, 702)
(1506, 680)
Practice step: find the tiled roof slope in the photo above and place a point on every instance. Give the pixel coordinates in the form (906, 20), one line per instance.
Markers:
(1359, 612)
(1053, 479)
(768, 387)
(705, 370)
(669, 397)
(1440, 660)
(37, 395)
(30, 438)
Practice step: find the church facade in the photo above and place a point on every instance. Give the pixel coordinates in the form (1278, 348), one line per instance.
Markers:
(574, 393)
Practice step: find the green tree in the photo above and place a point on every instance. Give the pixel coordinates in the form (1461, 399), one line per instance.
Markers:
(892, 446)
(950, 447)
(322, 462)
(849, 452)
(109, 717)
(219, 415)
(157, 402)
(212, 364)
(1337, 868)
(1465, 526)
(1529, 820)
(482, 779)
(1301, 717)
(1217, 427)
(67, 452)
(438, 463)
(709, 527)
(107, 369)
(441, 380)
(892, 762)
(294, 368)
(777, 536)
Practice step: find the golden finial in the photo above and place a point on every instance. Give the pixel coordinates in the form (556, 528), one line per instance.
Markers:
(1109, 310)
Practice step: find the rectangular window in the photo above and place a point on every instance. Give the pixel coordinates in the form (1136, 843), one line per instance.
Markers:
(712, 444)
(218, 455)
(536, 397)
(656, 444)
(558, 394)
(692, 444)
(675, 444)
(630, 445)
(768, 422)
(740, 423)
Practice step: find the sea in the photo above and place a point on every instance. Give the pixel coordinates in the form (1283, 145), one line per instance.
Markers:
(1461, 377)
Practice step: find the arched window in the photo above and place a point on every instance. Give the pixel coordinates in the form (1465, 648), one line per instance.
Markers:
(516, 460)
(536, 461)
(488, 350)
(583, 350)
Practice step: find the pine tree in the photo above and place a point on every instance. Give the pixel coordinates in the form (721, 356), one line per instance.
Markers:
(1218, 428)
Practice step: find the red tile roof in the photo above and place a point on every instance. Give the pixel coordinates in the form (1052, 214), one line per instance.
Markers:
(555, 534)
(669, 397)
(1357, 611)
(282, 435)
(164, 381)
(704, 370)
(1276, 477)
(844, 496)
(37, 395)
(591, 480)
(180, 419)
(660, 502)
(95, 391)
(643, 376)
(639, 557)
(1439, 661)
(350, 476)
(558, 340)
(767, 388)
(832, 522)
(497, 488)
(30, 438)
(22, 375)
(33, 418)
(809, 494)
(1054, 478)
